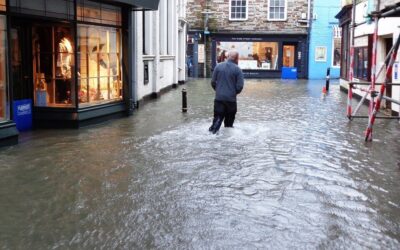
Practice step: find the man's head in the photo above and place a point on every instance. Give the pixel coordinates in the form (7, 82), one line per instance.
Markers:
(233, 56)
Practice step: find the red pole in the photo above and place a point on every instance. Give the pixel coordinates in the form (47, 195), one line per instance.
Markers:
(373, 70)
(389, 64)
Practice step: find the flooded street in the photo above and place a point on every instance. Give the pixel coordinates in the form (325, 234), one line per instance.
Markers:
(293, 173)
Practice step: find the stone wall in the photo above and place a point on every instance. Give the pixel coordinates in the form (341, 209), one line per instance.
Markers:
(257, 17)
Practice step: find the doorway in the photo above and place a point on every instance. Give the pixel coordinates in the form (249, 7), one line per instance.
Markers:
(388, 46)
(42, 59)
(289, 54)
(21, 60)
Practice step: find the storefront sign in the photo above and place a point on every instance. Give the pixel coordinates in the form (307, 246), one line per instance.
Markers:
(23, 114)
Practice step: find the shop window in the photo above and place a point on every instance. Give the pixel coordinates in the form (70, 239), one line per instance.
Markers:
(2, 5)
(252, 55)
(361, 60)
(4, 109)
(238, 10)
(277, 10)
(99, 57)
(337, 44)
(63, 9)
(94, 12)
(53, 65)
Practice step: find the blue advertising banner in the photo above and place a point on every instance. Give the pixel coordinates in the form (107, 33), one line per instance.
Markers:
(22, 110)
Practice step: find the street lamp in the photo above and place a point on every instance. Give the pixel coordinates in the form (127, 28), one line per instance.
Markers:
(206, 14)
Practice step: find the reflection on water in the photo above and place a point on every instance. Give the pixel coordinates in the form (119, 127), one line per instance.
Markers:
(293, 173)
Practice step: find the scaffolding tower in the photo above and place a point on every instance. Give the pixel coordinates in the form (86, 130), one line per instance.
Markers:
(369, 88)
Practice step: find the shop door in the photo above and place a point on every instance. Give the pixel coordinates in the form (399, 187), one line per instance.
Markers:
(21, 61)
(289, 54)
(389, 44)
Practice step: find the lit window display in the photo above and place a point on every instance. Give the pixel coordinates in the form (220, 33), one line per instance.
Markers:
(3, 76)
(94, 12)
(252, 55)
(3, 5)
(99, 64)
(53, 62)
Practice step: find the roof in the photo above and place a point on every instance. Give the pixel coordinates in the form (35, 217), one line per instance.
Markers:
(343, 11)
(391, 10)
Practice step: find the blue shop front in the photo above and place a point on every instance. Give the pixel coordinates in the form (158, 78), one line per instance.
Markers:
(263, 55)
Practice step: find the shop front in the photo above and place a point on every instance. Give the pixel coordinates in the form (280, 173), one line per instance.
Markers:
(263, 56)
(68, 60)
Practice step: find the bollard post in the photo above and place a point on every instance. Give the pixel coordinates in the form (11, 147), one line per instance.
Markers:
(184, 100)
(328, 77)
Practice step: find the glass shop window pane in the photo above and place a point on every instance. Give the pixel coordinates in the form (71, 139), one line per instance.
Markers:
(94, 12)
(253, 55)
(4, 108)
(3, 5)
(53, 66)
(100, 63)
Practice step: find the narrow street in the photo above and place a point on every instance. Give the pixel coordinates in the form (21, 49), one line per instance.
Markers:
(293, 173)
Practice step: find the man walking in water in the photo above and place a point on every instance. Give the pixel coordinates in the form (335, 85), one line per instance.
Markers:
(227, 81)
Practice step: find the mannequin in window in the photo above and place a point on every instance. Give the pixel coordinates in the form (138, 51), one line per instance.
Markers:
(268, 54)
(101, 73)
(64, 66)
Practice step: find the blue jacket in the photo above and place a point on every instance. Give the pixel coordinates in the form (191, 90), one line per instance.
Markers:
(227, 81)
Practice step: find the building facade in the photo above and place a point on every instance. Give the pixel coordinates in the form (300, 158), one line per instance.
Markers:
(325, 40)
(70, 63)
(268, 35)
(160, 49)
(360, 41)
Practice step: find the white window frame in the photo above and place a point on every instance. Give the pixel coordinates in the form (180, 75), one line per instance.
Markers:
(238, 19)
(277, 19)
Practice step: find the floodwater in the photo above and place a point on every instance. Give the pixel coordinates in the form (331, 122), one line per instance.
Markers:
(293, 173)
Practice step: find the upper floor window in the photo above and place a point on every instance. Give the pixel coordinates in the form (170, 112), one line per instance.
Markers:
(277, 10)
(238, 10)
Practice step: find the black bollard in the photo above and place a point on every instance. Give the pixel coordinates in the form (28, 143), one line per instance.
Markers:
(328, 77)
(184, 101)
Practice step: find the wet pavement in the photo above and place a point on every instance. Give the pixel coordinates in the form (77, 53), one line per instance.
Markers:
(293, 173)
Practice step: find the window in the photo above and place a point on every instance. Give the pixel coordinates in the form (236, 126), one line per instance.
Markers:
(4, 111)
(95, 12)
(53, 65)
(99, 53)
(252, 55)
(277, 10)
(238, 10)
(337, 44)
(99, 57)
(50, 8)
(361, 67)
(3, 5)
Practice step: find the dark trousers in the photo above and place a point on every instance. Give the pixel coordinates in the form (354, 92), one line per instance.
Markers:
(223, 112)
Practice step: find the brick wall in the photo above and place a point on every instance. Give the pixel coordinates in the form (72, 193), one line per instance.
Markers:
(257, 17)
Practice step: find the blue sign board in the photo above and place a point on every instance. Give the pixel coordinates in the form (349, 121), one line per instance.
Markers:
(289, 73)
(22, 110)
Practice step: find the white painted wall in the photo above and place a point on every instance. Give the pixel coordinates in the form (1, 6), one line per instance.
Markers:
(165, 47)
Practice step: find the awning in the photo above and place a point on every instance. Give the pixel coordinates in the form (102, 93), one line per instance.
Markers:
(140, 4)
